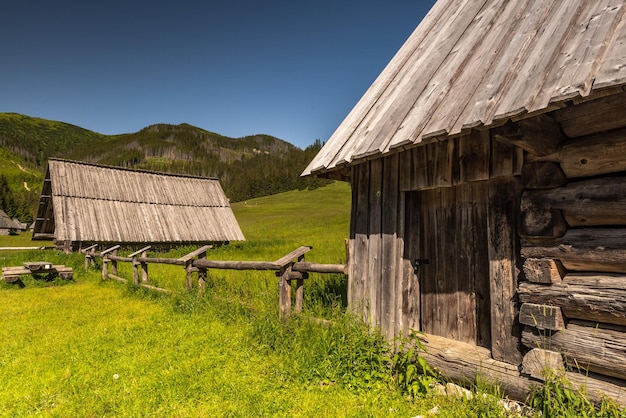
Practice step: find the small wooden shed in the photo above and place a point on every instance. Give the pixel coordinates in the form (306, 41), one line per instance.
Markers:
(488, 172)
(82, 204)
(9, 226)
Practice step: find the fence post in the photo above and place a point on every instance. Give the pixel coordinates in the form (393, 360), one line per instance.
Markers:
(144, 266)
(105, 270)
(189, 267)
(106, 260)
(90, 255)
(284, 298)
(300, 290)
(114, 263)
(202, 273)
(285, 272)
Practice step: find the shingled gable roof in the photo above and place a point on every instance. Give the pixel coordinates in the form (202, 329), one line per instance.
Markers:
(94, 203)
(474, 63)
(7, 223)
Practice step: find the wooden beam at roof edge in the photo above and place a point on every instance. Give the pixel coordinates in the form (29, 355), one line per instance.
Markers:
(539, 135)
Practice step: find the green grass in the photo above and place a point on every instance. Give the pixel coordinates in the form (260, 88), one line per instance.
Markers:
(90, 348)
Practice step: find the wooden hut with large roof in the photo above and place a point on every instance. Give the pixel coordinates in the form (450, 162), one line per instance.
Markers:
(488, 172)
(82, 204)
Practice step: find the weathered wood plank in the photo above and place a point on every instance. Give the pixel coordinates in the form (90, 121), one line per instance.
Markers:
(575, 67)
(589, 118)
(586, 345)
(360, 242)
(586, 249)
(375, 266)
(592, 296)
(541, 316)
(595, 155)
(506, 159)
(474, 156)
(540, 135)
(389, 234)
(501, 226)
(410, 279)
(297, 253)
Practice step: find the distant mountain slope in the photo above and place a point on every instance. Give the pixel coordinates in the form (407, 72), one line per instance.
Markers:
(35, 139)
(248, 167)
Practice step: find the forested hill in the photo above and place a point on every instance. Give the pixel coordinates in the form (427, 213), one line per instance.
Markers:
(248, 167)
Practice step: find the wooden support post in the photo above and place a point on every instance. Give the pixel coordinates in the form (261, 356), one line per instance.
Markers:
(135, 271)
(189, 267)
(300, 290)
(284, 298)
(105, 261)
(202, 273)
(105, 270)
(188, 275)
(89, 255)
(144, 267)
(286, 270)
(114, 263)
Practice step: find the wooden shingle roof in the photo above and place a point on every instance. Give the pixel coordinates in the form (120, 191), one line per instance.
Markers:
(94, 203)
(475, 63)
(7, 223)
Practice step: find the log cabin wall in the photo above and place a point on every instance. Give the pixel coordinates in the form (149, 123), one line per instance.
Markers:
(573, 228)
(556, 195)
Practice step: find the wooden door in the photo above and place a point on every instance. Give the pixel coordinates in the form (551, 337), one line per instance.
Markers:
(448, 245)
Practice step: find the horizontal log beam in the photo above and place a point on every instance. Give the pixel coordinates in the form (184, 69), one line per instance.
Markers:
(587, 249)
(155, 289)
(540, 135)
(117, 278)
(237, 265)
(594, 297)
(320, 268)
(199, 251)
(594, 155)
(295, 254)
(464, 363)
(585, 345)
(594, 202)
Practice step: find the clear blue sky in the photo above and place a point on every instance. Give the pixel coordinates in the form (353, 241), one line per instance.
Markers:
(291, 69)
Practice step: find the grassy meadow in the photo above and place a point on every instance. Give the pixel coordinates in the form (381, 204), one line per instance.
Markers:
(93, 348)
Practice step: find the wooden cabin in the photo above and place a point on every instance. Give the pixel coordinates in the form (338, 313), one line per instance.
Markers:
(10, 226)
(488, 172)
(82, 204)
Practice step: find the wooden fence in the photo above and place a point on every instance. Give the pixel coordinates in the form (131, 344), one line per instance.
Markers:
(291, 267)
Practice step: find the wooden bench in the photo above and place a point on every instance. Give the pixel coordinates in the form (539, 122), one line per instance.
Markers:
(12, 274)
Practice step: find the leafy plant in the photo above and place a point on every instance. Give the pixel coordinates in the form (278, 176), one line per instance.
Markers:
(411, 372)
(555, 398)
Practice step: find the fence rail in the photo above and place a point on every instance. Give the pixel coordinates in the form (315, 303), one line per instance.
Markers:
(288, 268)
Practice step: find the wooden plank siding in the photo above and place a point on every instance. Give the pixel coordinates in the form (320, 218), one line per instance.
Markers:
(450, 213)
